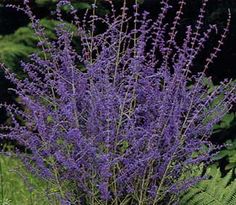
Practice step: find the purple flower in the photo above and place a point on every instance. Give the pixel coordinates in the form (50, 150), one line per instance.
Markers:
(130, 124)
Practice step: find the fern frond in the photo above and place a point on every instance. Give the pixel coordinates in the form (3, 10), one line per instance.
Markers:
(216, 190)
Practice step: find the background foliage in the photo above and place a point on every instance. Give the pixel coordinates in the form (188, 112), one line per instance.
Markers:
(17, 41)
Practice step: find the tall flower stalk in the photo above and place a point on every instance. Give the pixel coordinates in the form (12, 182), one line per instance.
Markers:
(126, 128)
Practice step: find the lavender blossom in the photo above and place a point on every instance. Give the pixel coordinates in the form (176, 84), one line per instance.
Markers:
(125, 130)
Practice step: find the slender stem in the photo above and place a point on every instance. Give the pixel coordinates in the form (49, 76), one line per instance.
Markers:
(2, 185)
(119, 41)
(58, 184)
(163, 180)
(92, 34)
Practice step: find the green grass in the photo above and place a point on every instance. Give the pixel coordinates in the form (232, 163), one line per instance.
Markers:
(18, 186)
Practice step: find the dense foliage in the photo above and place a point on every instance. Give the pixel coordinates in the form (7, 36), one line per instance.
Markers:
(216, 190)
(126, 129)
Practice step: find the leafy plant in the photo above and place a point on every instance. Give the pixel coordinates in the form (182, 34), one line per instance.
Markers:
(22, 43)
(226, 122)
(126, 128)
(228, 154)
(18, 187)
(215, 190)
(18, 46)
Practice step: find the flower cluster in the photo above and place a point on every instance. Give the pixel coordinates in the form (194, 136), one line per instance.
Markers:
(121, 120)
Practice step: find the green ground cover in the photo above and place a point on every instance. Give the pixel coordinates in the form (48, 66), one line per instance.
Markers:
(17, 186)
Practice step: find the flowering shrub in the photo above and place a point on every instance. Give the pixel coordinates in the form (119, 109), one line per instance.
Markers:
(126, 128)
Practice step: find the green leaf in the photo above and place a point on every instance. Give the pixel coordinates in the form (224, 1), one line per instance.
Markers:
(49, 119)
(123, 146)
(82, 5)
(227, 120)
(216, 190)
